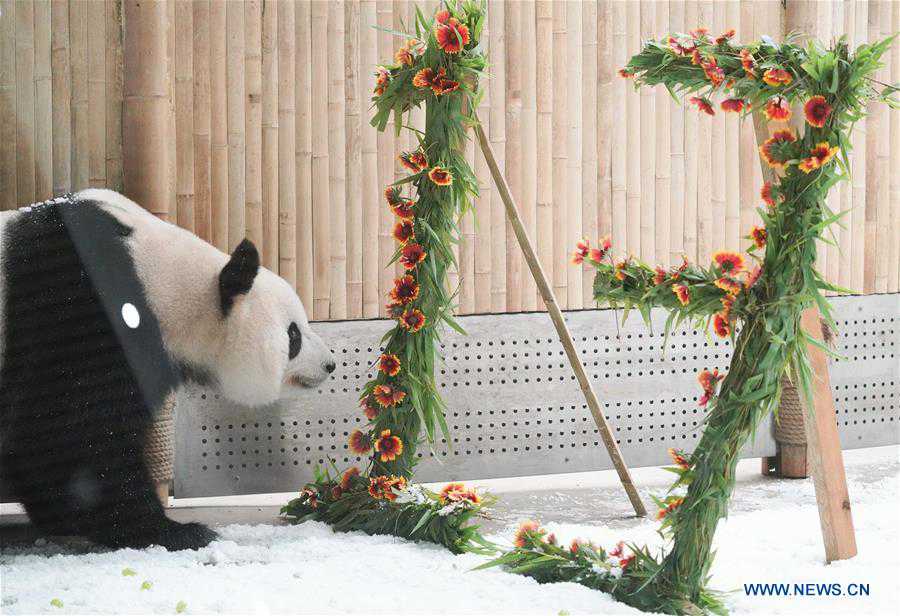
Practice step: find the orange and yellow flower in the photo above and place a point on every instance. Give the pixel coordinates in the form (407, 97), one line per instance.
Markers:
(404, 209)
(619, 269)
(729, 285)
(597, 254)
(392, 195)
(582, 250)
(679, 460)
(773, 149)
(388, 396)
(451, 35)
(748, 64)
(444, 86)
(427, 77)
(766, 194)
(703, 104)
(369, 410)
(778, 108)
(671, 505)
(404, 231)
(819, 156)
(441, 176)
(759, 235)
(412, 320)
(713, 71)
(816, 111)
(682, 293)
(727, 305)
(414, 161)
(389, 364)
(752, 277)
(625, 74)
(776, 77)
(457, 492)
(528, 532)
(709, 381)
(699, 34)
(405, 290)
(407, 54)
(659, 276)
(734, 105)
(696, 58)
(359, 443)
(451, 488)
(725, 37)
(382, 487)
(347, 477)
(411, 255)
(729, 262)
(382, 79)
(388, 446)
(721, 325)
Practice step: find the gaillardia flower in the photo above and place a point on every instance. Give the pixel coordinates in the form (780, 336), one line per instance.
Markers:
(766, 194)
(582, 250)
(412, 320)
(709, 381)
(819, 156)
(625, 74)
(388, 446)
(721, 325)
(703, 104)
(440, 176)
(752, 276)
(369, 409)
(725, 37)
(404, 231)
(778, 149)
(404, 209)
(816, 111)
(776, 77)
(729, 285)
(528, 532)
(597, 254)
(389, 364)
(679, 460)
(405, 290)
(682, 293)
(347, 477)
(713, 72)
(729, 262)
(411, 255)
(392, 195)
(734, 105)
(360, 443)
(382, 79)
(388, 396)
(778, 108)
(451, 488)
(451, 35)
(383, 486)
(659, 276)
(759, 235)
(414, 161)
(748, 63)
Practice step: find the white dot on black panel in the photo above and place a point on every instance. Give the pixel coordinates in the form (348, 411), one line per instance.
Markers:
(131, 316)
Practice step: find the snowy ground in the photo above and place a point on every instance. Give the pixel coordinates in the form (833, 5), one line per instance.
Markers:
(772, 536)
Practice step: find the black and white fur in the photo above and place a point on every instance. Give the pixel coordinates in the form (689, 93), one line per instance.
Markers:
(104, 311)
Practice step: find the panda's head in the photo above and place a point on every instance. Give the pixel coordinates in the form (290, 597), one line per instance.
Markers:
(268, 350)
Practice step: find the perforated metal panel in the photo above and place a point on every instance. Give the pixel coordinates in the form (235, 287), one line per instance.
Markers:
(514, 405)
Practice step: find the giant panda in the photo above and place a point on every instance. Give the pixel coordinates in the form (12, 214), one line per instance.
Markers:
(104, 311)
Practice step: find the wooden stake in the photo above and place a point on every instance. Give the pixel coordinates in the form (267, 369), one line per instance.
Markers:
(559, 322)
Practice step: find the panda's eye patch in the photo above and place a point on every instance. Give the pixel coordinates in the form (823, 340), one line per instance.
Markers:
(295, 339)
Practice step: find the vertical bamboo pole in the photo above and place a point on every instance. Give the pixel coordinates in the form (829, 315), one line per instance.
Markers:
(530, 169)
(282, 226)
(483, 219)
(337, 174)
(218, 87)
(676, 155)
(894, 162)
(385, 146)
(619, 145)
(559, 269)
(24, 120)
(497, 87)
(115, 74)
(714, 227)
(844, 19)
(710, 195)
(467, 251)
(634, 148)
(97, 93)
(253, 218)
(664, 111)
(559, 323)
(574, 144)
(884, 233)
(202, 109)
(145, 133)
(606, 86)
(305, 262)
(513, 147)
(691, 158)
(322, 202)
(353, 156)
(874, 129)
(184, 113)
(371, 200)
(43, 146)
(172, 172)
(836, 195)
(594, 206)
(859, 161)
(648, 146)
(60, 92)
(236, 108)
(8, 105)
(732, 207)
(748, 188)
(273, 13)
(544, 101)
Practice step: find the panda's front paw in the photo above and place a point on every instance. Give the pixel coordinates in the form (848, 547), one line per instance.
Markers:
(190, 536)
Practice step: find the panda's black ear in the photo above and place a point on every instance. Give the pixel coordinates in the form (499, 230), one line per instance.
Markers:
(236, 278)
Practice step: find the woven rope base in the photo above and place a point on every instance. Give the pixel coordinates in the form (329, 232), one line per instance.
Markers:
(790, 433)
(159, 451)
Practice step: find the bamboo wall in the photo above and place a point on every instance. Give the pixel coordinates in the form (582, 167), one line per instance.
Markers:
(265, 134)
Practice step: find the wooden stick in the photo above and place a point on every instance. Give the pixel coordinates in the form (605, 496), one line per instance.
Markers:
(826, 463)
(559, 322)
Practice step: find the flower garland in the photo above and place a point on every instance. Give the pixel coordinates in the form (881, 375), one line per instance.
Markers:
(764, 301)
(439, 66)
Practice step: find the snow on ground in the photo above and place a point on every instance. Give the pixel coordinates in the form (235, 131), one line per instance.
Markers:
(772, 536)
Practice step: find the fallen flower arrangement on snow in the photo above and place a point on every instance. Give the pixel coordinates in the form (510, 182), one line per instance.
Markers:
(764, 302)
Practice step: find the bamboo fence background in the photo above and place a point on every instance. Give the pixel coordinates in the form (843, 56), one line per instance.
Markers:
(264, 133)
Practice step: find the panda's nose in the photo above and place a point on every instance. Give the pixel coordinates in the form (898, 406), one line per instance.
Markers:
(329, 367)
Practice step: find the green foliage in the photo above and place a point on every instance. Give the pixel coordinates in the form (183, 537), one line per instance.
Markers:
(404, 510)
(180, 607)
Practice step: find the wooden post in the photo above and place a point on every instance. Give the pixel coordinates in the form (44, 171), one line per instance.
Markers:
(512, 212)
(146, 103)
